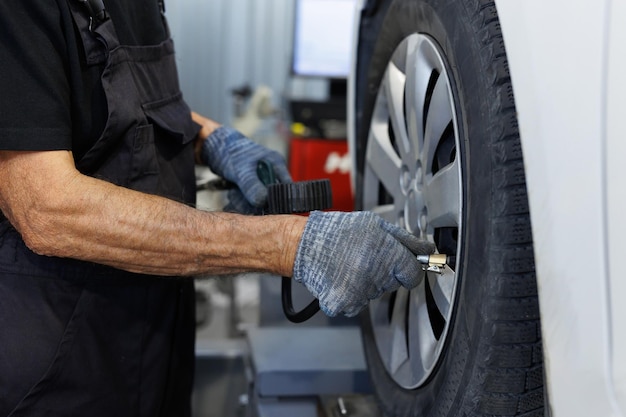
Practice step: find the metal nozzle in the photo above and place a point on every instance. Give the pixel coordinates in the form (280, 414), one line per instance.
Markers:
(439, 259)
(434, 262)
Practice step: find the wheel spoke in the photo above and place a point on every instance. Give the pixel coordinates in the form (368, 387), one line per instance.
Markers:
(438, 119)
(399, 353)
(383, 160)
(419, 71)
(393, 85)
(422, 341)
(442, 193)
(442, 287)
(379, 312)
(379, 309)
(388, 212)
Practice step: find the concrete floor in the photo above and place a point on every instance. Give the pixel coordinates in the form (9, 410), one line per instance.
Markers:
(231, 306)
(220, 387)
(220, 384)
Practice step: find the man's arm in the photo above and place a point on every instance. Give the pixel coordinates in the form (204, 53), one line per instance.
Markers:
(60, 212)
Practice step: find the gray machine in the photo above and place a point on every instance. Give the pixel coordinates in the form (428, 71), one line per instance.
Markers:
(274, 368)
(311, 369)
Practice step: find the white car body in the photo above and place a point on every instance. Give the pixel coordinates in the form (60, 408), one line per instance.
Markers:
(567, 60)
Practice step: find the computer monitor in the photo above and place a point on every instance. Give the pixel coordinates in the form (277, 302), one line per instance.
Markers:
(323, 32)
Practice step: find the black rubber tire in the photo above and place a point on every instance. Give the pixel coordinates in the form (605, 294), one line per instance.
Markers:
(492, 363)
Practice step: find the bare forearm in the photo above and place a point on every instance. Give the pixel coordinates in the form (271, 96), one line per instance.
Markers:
(148, 234)
(142, 233)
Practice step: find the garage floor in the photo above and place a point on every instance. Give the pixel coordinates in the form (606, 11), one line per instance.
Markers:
(220, 387)
(222, 352)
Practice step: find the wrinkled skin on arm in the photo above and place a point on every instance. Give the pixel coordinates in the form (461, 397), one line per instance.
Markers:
(60, 212)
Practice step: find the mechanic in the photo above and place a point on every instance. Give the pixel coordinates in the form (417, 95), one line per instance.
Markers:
(97, 188)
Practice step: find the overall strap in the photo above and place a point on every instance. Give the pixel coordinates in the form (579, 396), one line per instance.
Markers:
(91, 18)
(95, 28)
(162, 8)
(96, 9)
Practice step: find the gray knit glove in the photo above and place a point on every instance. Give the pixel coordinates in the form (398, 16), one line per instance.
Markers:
(237, 203)
(234, 157)
(347, 259)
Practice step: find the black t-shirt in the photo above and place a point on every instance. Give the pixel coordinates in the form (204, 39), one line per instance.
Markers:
(49, 98)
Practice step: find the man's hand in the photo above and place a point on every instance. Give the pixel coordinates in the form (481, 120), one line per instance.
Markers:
(234, 157)
(347, 259)
(207, 126)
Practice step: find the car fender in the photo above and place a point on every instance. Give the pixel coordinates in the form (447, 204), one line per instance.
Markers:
(558, 56)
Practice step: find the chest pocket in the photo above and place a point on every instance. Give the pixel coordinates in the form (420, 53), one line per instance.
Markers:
(146, 142)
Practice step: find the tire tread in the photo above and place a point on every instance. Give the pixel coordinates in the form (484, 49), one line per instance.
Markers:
(514, 374)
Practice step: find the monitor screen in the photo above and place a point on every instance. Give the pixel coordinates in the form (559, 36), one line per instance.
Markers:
(323, 32)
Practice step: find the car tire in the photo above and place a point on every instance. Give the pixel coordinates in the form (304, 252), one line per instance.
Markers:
(483, 354)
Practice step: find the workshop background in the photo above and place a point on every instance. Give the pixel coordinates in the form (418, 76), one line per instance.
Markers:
(223, 45)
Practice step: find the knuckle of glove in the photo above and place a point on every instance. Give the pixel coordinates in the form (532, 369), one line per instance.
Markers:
(254, 191)
(219, 146)
(330, 303)
(328, 309)
(409, 240)
(237, 203)
(397, 261)
(407, 270)
(333, 306)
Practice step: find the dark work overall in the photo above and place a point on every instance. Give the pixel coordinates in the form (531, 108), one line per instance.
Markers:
(81, 339)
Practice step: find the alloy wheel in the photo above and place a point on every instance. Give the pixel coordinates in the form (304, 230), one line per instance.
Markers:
(413, 177)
